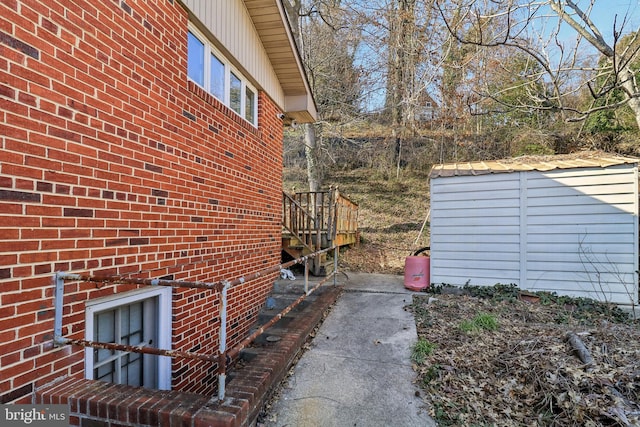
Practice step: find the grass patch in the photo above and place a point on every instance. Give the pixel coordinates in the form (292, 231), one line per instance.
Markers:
(482, 322)
(421, 350)
(430, 374)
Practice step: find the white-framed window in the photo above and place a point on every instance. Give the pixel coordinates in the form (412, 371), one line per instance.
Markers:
(195, 49)
(137, 318)
(218, 77)
(207, 67)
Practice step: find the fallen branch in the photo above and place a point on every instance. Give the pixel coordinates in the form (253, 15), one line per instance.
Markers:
(581, 350)
(527, 368)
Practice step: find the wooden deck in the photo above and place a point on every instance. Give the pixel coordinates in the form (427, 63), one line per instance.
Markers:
(312, 221)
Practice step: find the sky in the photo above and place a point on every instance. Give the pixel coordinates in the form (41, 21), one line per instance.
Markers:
(606, 12)
(606, 15)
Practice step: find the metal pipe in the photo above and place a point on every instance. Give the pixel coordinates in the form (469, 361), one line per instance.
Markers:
(137, 349)
(185, 284)
(222, 360)
(336, 253)
(133, 281)
(58, 304)
(306, 277)
(222, 376)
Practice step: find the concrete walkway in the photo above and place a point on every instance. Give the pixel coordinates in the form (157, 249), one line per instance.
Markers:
(357, 371)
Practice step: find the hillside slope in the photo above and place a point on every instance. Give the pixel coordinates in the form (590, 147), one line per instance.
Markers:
(391, 214)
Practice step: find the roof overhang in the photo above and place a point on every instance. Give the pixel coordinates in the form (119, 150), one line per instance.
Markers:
(270, 21)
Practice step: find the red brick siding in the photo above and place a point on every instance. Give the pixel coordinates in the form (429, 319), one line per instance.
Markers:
(111, 162)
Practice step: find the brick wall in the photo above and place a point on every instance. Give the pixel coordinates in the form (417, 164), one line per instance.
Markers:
(111, 162)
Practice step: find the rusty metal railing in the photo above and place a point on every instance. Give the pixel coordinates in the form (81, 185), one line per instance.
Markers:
(221, 286)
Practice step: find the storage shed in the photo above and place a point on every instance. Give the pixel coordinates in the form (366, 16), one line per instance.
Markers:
(567, 224)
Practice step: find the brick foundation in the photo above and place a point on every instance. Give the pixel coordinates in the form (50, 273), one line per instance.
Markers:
(99, 404)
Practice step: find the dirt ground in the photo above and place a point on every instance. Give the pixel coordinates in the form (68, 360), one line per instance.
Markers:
(374, 258)
(521, 370)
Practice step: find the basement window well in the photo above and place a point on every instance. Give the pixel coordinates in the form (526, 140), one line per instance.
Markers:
(136, 318)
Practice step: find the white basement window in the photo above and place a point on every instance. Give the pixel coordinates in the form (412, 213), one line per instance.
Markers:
(136, 318)
(207, 67)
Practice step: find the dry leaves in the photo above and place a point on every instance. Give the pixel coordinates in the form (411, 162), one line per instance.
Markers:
(526, 373)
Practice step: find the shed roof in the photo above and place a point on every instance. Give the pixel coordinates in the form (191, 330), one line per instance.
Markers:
(531, 163)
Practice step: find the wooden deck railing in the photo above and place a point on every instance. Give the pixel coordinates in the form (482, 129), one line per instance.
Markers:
(320, 218)
(346, 220)
(297, 220)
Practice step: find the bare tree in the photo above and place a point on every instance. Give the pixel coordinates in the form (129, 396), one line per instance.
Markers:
(401, 59)
(328, 41)
(563, 70)
(295, 13)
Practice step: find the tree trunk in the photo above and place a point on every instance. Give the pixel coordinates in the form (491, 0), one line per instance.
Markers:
(627, 81)
(400, 71)
(311, 154)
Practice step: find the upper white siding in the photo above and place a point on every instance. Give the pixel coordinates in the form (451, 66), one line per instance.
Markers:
(572, 231)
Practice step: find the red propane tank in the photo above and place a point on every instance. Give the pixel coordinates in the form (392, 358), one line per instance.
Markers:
(416, 272)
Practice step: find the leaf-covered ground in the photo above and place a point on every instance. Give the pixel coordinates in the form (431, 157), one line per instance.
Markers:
(525, 373)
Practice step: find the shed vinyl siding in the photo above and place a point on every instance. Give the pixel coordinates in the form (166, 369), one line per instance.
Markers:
(475, 230)
(582, 232)
(572, 231)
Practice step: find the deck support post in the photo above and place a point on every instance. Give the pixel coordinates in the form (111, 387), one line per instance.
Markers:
(306, 276)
